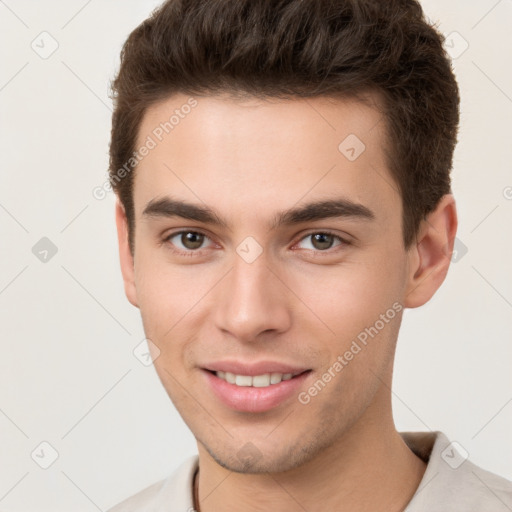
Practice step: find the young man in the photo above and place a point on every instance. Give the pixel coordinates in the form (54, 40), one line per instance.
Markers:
(283, 176)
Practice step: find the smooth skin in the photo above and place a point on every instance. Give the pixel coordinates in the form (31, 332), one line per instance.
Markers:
(298, 303)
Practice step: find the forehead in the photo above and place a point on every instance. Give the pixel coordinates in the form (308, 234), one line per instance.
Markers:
(240, 155)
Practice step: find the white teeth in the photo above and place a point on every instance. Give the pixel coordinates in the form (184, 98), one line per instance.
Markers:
(261, 381)
(258, 381)
(275, 378)
(243, 380)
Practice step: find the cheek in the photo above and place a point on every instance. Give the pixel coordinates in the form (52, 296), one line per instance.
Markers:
(348, 297)
(161, 313)
(357, 312)
(171, 302)
(365, 321)
(165, 292)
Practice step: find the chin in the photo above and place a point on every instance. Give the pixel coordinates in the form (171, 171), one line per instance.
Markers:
(250, 460)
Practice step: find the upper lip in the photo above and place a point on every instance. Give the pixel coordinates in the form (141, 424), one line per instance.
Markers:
(255, 368)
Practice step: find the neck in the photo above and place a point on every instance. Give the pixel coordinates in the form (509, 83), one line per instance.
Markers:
(369, 468)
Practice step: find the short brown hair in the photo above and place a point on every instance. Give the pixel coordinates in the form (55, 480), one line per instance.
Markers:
(299, 48)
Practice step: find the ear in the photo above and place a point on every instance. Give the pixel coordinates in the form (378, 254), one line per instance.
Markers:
(430, 256)
(125, 255)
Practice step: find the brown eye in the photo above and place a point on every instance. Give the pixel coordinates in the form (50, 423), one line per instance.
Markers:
(191, 240)
(322, 241)
(186, 241)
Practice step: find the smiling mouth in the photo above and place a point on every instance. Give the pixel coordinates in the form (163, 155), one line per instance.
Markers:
(257, 381)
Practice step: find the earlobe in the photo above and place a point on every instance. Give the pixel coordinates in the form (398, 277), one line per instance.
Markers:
(125, 255)
(430, 256)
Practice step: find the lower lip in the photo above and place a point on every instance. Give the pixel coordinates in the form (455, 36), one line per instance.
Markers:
(252, 399)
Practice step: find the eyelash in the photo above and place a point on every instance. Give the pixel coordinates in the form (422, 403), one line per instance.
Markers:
(191, 252)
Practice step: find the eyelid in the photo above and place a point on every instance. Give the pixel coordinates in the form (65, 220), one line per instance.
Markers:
(167, 237)
(345, 241)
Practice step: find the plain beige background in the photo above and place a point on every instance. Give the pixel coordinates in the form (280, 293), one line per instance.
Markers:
(68, 374)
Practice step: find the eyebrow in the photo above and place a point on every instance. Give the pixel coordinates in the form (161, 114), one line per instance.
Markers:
(318, 210)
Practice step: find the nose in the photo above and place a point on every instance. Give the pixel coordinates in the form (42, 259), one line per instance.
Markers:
(253, 301)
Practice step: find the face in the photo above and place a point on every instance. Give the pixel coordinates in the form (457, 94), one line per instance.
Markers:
(268, 241)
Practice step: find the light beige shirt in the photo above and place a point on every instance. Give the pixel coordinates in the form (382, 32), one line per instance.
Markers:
(451, 483)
